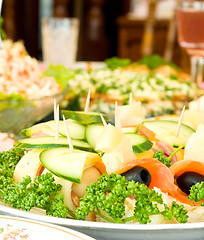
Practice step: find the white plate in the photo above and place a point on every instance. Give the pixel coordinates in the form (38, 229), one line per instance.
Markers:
(93, 65)
(110, 231)
(21, 229)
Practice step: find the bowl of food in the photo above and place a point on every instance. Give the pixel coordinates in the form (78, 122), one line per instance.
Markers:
(26, 94)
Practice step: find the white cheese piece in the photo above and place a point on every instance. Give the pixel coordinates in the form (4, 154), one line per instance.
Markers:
(109, 138)
(194, 149)
(119, 156)
(131, 115)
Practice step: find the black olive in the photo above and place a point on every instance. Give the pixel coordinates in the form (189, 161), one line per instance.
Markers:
(138, 174)
(186, 180)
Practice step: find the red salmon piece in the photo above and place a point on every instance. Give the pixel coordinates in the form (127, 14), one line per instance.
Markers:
(179, 168)
(161, 176)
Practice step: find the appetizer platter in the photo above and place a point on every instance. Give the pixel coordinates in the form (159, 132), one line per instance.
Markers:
(106, 169)
(140, 177)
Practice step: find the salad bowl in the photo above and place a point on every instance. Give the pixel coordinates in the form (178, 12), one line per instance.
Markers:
(16, 115)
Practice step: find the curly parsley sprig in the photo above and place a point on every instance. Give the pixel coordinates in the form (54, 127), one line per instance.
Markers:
(42, 193)
(9, 160)
(159, 155)
(106, 198)
(197, 193)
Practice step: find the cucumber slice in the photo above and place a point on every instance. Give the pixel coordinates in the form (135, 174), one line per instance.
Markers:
(130, 129)
(63, 163)
(83, 117)
(139, 143)
(166, 130)
(49, 141)
(92, 133)
(76, 129)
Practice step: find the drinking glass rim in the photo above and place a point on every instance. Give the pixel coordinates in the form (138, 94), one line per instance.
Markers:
(54, 21)
(189, 4)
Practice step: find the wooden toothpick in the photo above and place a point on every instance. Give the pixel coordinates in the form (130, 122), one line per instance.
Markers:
(86, 109)
(180, 121)
(103, 120)
(68, 135)
(117, 116)
(55, 108)
(199, 104)
(130, 99)
(57, 122)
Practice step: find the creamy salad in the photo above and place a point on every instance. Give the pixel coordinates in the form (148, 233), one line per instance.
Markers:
(160, 94)
(21, 74)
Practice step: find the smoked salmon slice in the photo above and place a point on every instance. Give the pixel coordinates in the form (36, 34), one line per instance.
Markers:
(179, 168)
(161, 176)
(147, 133)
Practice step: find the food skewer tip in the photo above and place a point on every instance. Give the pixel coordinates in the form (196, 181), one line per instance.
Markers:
(117, 116)
(57, 122)
(55, 108)
(130, 99)
(180, 121)
(68, 135)
(103, 120)
(86, 109)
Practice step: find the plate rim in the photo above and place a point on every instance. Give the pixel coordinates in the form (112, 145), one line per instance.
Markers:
(98, 225)
(45, 225)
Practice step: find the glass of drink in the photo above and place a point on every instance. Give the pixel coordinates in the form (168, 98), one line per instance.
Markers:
(60, 40)
(190, 19)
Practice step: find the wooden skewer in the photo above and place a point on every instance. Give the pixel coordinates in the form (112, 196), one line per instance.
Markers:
(68, 135)
(55, 108)
(103, 120)
(57, 123)
(86, 109)
(130, 99)
(117, 116)
(180, 121)
(199, 104)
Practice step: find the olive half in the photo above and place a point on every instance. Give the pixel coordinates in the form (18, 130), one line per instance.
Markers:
(186, 180)
(138, 174)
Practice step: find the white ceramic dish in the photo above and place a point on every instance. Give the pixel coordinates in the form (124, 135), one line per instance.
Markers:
(110, 231)
(21, 229)
(93, 65)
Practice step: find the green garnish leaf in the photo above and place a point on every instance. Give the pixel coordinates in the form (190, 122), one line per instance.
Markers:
(155, 61)
(60, 73)
(116, 62)
(2, 32)
(106, 198)
(159, 155)
(42, 193)
(9, 160)
(12, 97)
(197, 193)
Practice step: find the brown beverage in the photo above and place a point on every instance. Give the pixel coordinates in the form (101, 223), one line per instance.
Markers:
(191, 30)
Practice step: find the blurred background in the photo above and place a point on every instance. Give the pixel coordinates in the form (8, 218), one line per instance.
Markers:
(122, 28)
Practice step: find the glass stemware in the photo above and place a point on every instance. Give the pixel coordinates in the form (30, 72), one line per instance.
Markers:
(190, 19)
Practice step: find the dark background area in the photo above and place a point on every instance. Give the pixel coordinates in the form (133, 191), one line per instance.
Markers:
(105, 31)
(21, 21)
